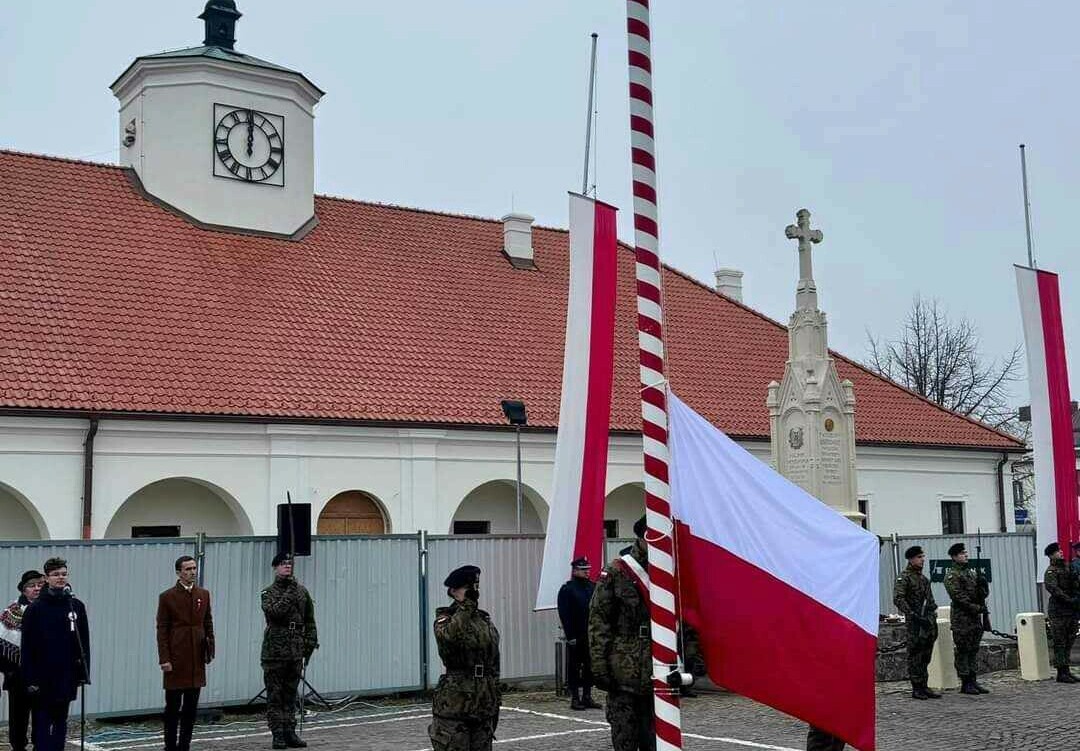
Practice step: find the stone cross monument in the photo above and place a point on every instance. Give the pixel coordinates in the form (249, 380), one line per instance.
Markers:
(812, 412)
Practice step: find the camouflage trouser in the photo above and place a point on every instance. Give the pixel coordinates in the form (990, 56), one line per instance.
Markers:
(1062, 636)
(280, 680)
(966, 648)
(920, 646)
(819, 740)
(631, 720)
(461, 735)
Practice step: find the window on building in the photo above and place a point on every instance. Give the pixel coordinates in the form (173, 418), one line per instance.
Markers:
(952, 517)
(472, 528)
(611, 528)
(159, 531)
(864, 509)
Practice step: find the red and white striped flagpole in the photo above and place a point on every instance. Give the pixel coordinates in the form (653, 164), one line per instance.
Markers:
(660, 534)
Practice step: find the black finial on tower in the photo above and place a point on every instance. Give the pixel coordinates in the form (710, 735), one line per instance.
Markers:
(220, 17)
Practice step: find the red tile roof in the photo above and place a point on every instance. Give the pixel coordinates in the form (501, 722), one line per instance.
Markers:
(110, 303)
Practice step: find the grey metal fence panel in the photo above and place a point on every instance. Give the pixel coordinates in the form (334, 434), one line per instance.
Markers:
(119, 582)
(511, 566)
(887, 574)
(1013, 569)
(367, 605)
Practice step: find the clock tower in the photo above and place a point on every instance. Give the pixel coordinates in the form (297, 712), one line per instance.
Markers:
(221, 137)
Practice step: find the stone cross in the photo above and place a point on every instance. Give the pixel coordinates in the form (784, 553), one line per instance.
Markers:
(806, 292)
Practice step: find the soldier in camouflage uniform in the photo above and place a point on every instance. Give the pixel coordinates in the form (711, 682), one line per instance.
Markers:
(620, 649)
(1063, 586)
(968, 592)
(913, 597)
(465, 707)
(288, 642)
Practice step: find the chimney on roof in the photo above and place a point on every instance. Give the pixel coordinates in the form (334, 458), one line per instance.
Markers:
(729, 283)
(517, 240)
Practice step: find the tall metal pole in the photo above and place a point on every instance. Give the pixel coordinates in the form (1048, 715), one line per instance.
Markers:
(1027, 206)
(517, 429)
(659, 536)
(588, 119)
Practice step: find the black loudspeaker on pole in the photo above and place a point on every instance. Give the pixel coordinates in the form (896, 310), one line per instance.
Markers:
(294, 528)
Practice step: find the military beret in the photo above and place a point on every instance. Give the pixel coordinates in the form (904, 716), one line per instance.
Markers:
(913, 551)
(639, 528)
(279, 559)
(1051, 549)
(462, 577)
(27, 577)
(580, 563)
(957, 549)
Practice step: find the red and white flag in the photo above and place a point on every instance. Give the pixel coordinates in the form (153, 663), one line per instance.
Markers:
(576, 520)
(1057, 508)
(782, 589)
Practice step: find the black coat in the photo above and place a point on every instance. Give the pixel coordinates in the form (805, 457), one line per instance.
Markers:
(51, 658)
(573, 601)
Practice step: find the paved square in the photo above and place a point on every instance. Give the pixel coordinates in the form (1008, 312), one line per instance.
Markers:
(1016, 716)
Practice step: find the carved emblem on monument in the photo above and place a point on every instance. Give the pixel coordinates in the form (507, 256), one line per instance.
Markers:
(795, 438)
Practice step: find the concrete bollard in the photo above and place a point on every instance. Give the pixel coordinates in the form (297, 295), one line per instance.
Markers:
(1034, 651)
(942, 668)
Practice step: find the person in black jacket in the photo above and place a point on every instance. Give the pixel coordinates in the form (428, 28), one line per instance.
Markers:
(573, 603)
(55, 656)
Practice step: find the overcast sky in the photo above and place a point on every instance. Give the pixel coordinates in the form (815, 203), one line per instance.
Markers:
(896, 124)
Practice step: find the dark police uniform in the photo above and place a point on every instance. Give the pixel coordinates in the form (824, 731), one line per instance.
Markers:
(289, 639)
(465, 706)
(573, 604)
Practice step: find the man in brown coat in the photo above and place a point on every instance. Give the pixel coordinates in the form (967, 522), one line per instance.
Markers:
(185, 638)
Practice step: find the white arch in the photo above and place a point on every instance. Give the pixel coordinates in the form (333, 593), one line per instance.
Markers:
(625, 504)
(499, 505)
(230, 502)
(30, 508)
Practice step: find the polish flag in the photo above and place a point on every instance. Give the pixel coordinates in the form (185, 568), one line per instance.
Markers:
(782, 589)
(576, 520)
(1057, 509)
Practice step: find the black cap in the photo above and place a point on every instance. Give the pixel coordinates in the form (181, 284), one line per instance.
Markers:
(1051, 549)
(27, 577)
(280, 558)
(462, 577)
(580, 564)
(957, 549)
(913, 551)
(639, 527)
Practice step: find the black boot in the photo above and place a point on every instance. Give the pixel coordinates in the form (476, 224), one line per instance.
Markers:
(1065, 676)
(930, 694)
(292, 740)
(278, 739)
(967, 685)
(918, 692)
(978, 686)
(587, 700)
(575, 699)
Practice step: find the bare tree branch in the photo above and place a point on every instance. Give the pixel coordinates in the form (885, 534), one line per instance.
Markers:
(939, 358)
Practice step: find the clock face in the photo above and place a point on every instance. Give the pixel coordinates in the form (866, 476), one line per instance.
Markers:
(249, 145)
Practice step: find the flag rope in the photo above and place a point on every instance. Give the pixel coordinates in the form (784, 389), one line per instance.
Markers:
(660, 534)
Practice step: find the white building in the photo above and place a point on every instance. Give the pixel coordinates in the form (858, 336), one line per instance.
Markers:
(188, 335)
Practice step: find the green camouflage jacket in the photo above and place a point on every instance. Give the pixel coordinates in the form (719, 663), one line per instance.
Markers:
(914, 598)
(469, 647)
(968, 592)
(1063, 586)
(620, 645)
(290, 633)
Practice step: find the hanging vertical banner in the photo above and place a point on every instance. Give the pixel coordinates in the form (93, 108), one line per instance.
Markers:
(575, 525)
(1057, 506)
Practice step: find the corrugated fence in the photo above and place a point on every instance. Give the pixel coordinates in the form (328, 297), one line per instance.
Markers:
(375, 602)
